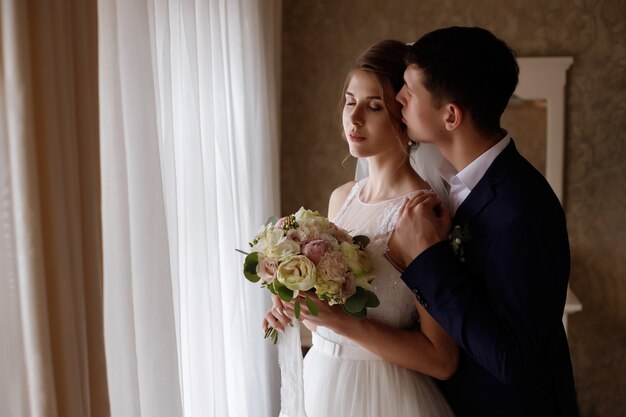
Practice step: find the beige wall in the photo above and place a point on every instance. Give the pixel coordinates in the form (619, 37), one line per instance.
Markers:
(321, 39)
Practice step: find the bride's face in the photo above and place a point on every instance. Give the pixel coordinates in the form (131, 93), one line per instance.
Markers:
(366, 124)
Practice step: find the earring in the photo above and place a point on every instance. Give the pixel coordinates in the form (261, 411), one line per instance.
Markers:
(410, 142)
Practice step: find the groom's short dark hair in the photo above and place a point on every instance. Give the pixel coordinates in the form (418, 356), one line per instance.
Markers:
(470, 67)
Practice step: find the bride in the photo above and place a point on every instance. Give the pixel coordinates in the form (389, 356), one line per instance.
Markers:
(381, 365)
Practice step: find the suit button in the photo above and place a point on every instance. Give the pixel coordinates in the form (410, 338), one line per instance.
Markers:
(419, 298)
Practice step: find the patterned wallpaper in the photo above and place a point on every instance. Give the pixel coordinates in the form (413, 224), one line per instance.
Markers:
(322, 38)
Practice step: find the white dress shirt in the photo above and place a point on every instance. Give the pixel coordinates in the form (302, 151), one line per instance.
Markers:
(463, 182)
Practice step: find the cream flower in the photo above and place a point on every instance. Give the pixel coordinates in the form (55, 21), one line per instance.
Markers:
(304, 214)
(358, 261)
(297, 273)
(274, 244)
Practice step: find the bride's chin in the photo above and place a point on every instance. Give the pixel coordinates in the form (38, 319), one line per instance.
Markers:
(358, 153)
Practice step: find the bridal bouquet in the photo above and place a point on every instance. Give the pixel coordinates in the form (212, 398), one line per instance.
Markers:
(305, 251)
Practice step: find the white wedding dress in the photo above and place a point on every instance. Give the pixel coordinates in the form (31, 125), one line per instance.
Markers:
(342, 379)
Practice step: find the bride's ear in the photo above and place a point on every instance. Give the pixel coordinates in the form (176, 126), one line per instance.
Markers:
(453, 116)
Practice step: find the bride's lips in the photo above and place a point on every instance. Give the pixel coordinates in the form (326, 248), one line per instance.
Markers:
(356, 138)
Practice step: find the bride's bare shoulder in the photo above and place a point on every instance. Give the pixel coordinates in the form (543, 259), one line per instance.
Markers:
(338, 197)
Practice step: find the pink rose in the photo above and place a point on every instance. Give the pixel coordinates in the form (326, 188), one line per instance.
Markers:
(279, 224)
(266, 268)
(315, 250)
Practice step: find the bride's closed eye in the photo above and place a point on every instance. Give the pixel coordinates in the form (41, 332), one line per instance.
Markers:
(372, 106)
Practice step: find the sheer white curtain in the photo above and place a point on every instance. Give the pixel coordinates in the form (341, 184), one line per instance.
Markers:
(189, 154)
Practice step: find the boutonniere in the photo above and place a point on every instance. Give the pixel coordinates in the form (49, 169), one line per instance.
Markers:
(457, 238)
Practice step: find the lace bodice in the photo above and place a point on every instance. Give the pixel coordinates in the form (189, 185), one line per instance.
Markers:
(376, 221)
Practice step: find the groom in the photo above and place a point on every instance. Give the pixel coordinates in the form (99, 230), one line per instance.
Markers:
(502, 298)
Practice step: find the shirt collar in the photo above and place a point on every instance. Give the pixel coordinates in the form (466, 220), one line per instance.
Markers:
(471, 174)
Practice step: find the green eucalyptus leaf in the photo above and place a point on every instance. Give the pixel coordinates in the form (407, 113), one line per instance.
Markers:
(356, 314)
(372, 299)
(272, 220)
(283, 292)
(361, 240)
(296, 310)
(357, 302)
(312, 306)
(249, 267)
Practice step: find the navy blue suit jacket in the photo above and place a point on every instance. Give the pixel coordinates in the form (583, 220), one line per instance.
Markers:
(504, 304)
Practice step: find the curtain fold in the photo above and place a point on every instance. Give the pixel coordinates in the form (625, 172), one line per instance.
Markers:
(52, 358)
(141, 354)
(189, 154)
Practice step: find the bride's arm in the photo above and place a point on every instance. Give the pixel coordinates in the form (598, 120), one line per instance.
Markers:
(430, 350)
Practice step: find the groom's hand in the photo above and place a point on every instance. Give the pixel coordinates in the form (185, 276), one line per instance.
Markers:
(422, 222)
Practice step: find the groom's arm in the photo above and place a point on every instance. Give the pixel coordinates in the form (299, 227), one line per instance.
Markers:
(504, 318)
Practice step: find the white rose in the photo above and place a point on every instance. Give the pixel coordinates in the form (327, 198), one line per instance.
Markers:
(297, 273)
(282, 249)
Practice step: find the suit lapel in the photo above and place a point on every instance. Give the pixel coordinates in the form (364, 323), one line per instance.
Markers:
(484, 191)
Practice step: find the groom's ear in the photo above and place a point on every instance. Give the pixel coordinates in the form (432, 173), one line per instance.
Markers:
(453, 116)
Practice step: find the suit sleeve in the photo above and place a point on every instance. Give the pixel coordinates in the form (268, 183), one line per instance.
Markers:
(505, 318)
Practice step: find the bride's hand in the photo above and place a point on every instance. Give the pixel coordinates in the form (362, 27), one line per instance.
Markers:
(328, 316)
(276, 316)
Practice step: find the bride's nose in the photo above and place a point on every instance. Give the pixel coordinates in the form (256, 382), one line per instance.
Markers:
(356, 118)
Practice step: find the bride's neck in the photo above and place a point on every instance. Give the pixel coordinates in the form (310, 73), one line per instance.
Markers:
(388, 180)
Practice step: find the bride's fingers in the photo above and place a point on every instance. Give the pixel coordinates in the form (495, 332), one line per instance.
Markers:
(280, 315)
(265, 325)
(272, 321)
(289, 310)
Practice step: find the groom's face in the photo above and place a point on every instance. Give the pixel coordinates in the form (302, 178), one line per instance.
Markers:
(422, 118)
